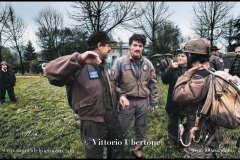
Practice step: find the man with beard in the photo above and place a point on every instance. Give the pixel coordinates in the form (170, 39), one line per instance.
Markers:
(235, 64)
(136, 86)
(91, 95)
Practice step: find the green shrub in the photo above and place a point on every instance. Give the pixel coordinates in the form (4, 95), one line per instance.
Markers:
(35, 67)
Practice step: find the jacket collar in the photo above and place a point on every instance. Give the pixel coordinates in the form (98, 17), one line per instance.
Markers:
(131, 59)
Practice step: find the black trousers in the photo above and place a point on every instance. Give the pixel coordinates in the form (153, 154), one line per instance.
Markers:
(10, 91)
(173, 119)
(96, 135)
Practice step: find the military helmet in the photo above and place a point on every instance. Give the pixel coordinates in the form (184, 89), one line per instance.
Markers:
(197, 46)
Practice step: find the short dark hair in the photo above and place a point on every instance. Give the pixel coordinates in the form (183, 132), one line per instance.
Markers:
(5, 63)
(199, 57)
(214, 48)
(96, 37)
(141, 38)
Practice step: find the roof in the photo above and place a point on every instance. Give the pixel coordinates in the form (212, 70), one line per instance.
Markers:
(168, 54)
(157, 55)
(229, 54)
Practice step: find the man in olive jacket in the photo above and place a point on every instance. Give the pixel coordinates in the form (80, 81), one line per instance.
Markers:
(91, 95)
(136, 85)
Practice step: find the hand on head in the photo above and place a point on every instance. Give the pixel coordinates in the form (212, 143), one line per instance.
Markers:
(174, 65)
(195, 68)
(90, 57)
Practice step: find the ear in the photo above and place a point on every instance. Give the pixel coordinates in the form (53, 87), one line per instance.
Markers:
(99, 45)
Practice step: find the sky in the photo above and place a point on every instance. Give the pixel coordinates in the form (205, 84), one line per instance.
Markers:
(182, 14)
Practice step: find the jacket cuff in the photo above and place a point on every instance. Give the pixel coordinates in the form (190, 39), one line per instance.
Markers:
(188, 74)
(123, 95)
(79, 59)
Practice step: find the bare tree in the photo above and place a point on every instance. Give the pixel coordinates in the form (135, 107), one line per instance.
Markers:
(154, 15)
(211, 17)
(50, 25)
(16, 27)
(102, 15)
(232, 33)
(4, 17)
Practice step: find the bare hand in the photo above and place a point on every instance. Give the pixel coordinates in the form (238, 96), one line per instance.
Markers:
(124, 102)
(90, 57)
(174, 65)
(204, 66)
(4, 70)
(194, 69)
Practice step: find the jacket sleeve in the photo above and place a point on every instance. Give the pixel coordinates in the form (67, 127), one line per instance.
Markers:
(188, 90)
(116, 77)
(218, 64)
(152, 85)
(13, 78)
(168, 75)
(231, 67)
(60, 70)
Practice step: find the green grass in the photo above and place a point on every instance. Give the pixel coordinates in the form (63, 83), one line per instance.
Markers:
(42, 125)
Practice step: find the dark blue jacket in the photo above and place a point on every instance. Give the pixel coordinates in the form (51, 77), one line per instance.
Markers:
(170, 77)
(7, 78)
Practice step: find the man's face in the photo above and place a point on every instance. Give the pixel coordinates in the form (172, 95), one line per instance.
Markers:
(136, 49)
(215, 53)
(104, 50)
(237, 50)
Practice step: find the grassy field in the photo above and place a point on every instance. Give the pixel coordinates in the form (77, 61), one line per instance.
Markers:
(42, 125)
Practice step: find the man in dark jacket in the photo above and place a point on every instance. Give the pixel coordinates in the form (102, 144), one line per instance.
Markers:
(7, 82)
(91, 96)
(235, 64)
(170, 76)
(215, 60)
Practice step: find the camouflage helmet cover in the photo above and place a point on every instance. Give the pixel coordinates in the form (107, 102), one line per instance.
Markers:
(197, 46)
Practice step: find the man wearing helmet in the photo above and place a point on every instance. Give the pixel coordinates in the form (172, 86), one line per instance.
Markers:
(191, 90)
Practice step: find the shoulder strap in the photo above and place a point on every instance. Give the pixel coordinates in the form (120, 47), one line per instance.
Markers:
(202, 114)
(208, 100)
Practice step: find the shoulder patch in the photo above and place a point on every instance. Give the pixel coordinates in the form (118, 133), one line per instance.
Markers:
(145, 67)
(93, 74)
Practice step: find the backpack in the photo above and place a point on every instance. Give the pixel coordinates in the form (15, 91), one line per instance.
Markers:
(222, 104)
